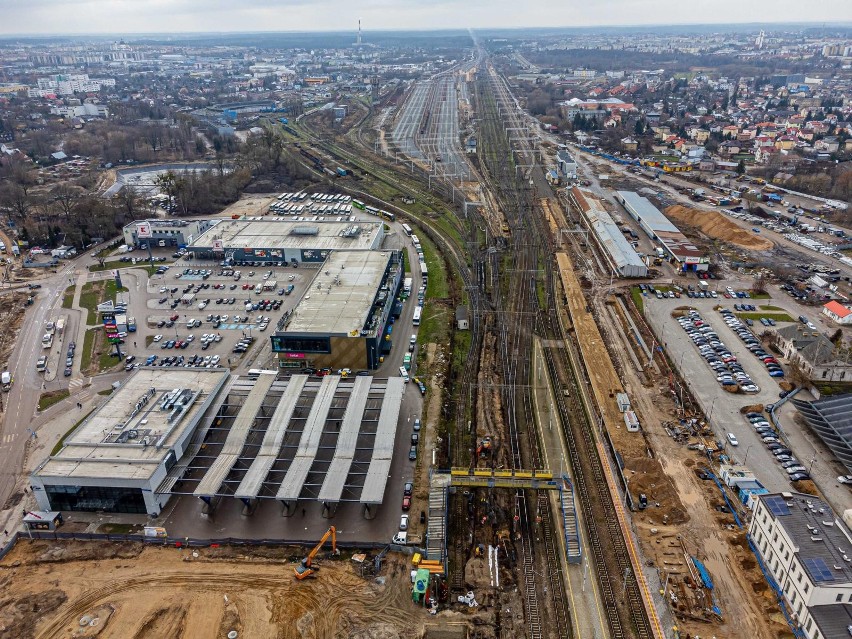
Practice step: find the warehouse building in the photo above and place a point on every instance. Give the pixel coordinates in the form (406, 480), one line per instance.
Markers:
(567, 165)
(657, 226)
(343, 320)
(115, 460)
(165, 232)
(285, 241)
(805, 548)
(621, 259)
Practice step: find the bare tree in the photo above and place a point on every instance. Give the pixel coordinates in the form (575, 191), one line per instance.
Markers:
(760, 282)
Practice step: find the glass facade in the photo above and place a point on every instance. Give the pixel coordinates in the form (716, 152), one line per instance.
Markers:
(89, 498)
(286, 343)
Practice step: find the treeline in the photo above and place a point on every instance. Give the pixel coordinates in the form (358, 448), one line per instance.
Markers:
(70, 214)
(617, 59)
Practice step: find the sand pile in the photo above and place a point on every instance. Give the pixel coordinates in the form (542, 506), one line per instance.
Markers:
(716, 226)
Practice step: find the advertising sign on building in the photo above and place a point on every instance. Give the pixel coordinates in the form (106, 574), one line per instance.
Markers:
(218, 245)
(143, 231)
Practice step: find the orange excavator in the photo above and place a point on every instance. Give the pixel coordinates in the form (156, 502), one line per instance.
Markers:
(305, 568)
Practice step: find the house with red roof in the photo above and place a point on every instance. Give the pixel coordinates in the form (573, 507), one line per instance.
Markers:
(838, 313)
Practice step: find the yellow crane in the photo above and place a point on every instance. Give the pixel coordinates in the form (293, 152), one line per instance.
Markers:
(305, 568)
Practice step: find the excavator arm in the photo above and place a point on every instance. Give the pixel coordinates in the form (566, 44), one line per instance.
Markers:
(305, 568)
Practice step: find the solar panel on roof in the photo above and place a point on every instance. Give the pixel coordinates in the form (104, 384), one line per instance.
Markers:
(818, 569)
(777, 506)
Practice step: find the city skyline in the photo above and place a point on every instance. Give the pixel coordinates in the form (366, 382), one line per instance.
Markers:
(51, 17)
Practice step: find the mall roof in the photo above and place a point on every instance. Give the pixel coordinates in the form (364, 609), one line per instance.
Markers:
(131, 434)
(339, 299)
(264, 233)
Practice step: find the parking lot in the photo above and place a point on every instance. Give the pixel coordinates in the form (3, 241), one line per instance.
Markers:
(722, 407)
(199, 313)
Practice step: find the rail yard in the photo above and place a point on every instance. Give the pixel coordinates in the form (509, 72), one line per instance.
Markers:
(578, 470)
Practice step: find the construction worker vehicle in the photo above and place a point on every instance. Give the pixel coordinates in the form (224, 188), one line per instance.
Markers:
(306, 567)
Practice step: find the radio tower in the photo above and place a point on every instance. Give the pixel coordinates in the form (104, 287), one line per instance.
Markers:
(358, 41)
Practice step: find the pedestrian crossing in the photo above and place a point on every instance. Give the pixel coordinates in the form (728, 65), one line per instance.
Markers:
(77, 384)
(9, 438)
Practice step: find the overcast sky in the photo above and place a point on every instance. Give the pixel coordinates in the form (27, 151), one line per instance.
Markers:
(157, 16)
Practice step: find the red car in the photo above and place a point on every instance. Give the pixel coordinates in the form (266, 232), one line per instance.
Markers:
(406, 502)
(174, 317)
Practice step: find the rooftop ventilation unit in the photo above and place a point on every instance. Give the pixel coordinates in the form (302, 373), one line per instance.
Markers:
(304, 229)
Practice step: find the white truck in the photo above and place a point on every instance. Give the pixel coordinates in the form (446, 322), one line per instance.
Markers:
(6, 380)
(703, 285)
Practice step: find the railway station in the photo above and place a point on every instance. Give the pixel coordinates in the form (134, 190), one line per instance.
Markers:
(298, 439)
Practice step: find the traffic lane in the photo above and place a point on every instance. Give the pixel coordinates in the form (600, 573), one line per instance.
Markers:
(22, 399)
(722, 408)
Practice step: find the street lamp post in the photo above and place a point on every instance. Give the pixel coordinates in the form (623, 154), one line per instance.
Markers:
(746, 455)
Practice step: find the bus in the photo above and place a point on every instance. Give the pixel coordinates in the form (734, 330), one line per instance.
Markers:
(407, 229)
(424, 272)
(255, 373)
(358, 204)
(387, 215)
(418, 310)
(371, 209)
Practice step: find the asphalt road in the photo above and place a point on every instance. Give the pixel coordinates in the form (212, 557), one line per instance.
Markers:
(22, 400)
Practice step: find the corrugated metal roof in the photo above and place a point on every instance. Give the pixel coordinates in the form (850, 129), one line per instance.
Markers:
(621, 253)
(649, 213)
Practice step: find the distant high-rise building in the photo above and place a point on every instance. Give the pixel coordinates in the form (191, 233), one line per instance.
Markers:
(759, 41)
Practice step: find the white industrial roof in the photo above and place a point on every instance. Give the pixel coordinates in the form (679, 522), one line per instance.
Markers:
(131, 434)
(339, 299)
(282, 234)
(650, 214)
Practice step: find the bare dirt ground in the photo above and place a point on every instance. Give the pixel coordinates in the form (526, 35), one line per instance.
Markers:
(249, 204)
(716, 226)
(11, 318)
(79, 589)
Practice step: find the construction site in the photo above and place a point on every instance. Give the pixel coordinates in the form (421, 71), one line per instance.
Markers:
(138, 591)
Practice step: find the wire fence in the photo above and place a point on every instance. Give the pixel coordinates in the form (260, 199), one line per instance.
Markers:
(183, 542)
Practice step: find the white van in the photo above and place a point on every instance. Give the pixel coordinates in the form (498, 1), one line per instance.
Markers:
(403, 373)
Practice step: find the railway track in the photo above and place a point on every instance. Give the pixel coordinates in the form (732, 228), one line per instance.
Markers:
(625, 610)
(515, 344)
